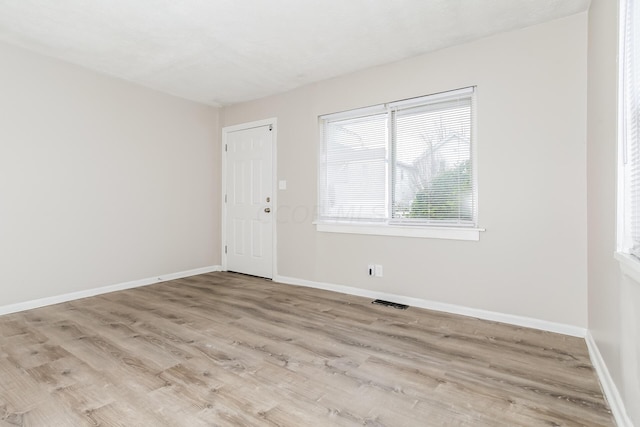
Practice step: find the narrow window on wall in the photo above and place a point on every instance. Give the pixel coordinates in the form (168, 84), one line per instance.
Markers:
(630, 127)
(406, 163)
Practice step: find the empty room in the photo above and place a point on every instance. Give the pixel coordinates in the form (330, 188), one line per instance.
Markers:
(317, 213)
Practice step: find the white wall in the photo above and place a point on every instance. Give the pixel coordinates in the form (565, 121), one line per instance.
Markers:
(101, 181)
(614, 301)
(531, 261)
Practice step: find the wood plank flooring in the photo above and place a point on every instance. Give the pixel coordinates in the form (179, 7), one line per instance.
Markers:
(223, 349)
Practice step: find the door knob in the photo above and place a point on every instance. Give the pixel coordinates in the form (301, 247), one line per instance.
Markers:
(267, 210)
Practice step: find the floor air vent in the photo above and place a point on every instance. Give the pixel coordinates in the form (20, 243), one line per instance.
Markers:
(390, 304)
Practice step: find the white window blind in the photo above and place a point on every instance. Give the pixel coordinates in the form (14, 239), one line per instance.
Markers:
(354, 168)
(407, 162)
(631, 125)
(432, 153)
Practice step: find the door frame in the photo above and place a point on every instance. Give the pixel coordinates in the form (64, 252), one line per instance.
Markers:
(273, 122)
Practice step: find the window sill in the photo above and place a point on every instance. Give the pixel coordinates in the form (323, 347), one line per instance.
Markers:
(450, 233)
(629, 265)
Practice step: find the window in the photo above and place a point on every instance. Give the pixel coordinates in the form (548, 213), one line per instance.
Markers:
(406, 163)
(629, 128)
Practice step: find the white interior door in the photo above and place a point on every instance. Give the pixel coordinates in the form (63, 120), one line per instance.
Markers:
(249, 201)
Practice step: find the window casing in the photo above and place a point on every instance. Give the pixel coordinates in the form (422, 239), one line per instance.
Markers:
(629, 236)
(409, 163)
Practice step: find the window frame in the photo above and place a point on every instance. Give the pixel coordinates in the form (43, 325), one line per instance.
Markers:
(393, 226)
(629, 262)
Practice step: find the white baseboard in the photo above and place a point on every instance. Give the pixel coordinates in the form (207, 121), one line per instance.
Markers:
(608, 386)
(41, 302)
(527, 322)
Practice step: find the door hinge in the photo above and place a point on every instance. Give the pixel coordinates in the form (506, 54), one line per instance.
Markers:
(225, 198)
(270, 128)
(225, 147)
(225, 249)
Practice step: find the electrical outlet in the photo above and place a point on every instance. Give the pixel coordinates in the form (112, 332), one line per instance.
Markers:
(378, 270)
(371, 270)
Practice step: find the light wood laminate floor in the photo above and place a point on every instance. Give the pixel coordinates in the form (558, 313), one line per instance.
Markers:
(230, 350)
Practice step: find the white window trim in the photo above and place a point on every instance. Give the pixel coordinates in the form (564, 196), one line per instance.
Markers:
(376, 229)
(629, 264)
(386, 228)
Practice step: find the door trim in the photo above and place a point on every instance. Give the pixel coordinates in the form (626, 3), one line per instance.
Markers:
(273, 122)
